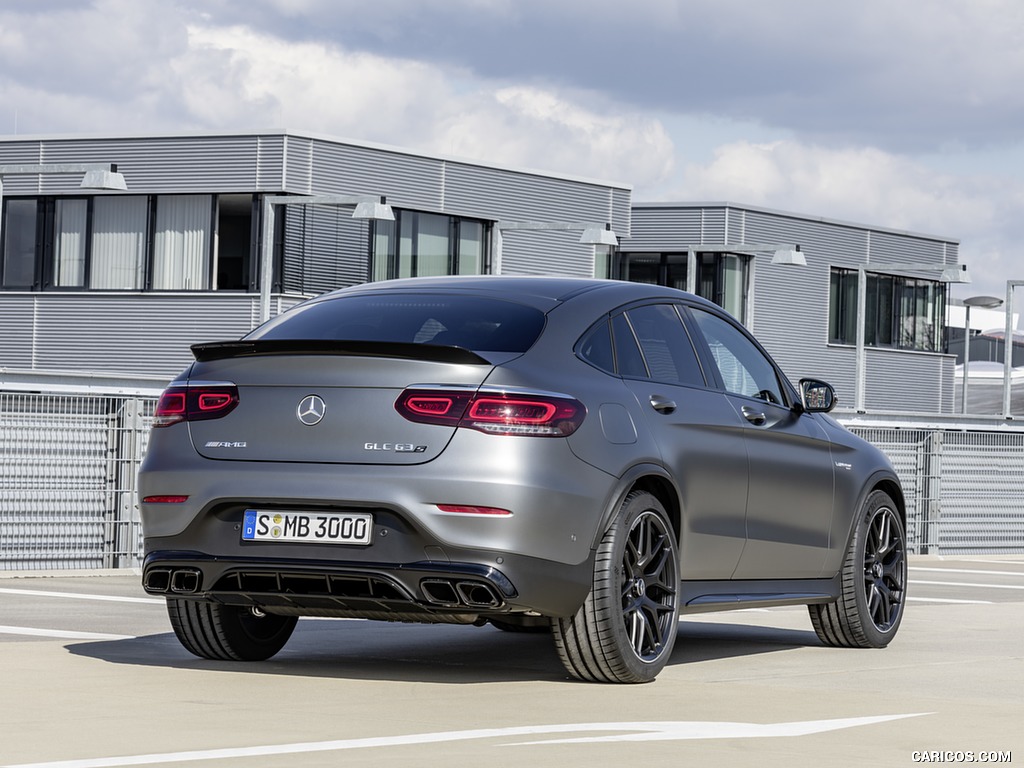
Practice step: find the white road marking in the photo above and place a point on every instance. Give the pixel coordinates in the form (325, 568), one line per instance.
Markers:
(983, 560)
(642, 731)
(61, 634)
(82, 596)
(947, 600)
(969, 584)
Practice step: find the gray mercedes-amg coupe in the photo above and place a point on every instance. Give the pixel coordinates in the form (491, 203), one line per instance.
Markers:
(592, 457)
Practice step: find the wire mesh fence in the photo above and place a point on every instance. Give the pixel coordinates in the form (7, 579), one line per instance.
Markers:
(69, 462)
(68, 465)
(964, 487)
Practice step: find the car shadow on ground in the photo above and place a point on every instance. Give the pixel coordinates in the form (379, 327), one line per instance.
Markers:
(435, 653)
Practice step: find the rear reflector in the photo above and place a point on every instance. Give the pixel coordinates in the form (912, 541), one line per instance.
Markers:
(194, 403)
(498, 413)
(165, 499)
(463, 509)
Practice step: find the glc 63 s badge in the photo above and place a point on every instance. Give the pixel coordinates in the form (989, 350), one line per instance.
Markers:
(395, 447)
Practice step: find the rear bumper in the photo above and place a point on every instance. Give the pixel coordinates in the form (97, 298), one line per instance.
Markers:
(457, 592)
(556, 502)
(538, 557)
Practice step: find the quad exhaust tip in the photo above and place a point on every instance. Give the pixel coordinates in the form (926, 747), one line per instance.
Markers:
(180, 581)
(460, 594)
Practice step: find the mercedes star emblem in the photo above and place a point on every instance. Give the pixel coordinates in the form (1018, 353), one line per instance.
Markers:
(311, 410)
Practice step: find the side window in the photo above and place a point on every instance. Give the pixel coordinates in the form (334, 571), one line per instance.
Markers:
(744, 368)
(665, 345)
(596, 347)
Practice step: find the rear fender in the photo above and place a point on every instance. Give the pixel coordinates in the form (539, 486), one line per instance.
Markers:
(653, 478)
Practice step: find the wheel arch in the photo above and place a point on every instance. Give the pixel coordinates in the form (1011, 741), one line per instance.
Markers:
(879, 481)
(892, 486)
(655, 480)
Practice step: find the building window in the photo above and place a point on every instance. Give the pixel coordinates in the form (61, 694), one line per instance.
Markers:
(420, 244)
(120, 243)
(181, 243)
(723, 278)
(70, 238)
(235, 264)
(900, 312)
(21, 236)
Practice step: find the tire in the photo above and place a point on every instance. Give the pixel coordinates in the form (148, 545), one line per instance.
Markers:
(227, 632)
(874, 581)
(625, 630)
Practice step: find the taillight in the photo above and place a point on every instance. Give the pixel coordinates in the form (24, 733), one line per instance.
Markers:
(498, 413)
(195, 403)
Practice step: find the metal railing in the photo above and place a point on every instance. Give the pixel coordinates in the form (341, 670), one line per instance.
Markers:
(68, 466)
(69, 461)
(963, 483)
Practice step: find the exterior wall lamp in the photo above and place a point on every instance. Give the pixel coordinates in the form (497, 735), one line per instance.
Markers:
(784, 254)
(367, 207)
(95, 176)
(593, 234)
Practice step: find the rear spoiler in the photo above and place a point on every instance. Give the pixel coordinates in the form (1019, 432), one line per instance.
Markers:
(224, 350)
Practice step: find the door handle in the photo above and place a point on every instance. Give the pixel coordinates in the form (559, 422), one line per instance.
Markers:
(754, 416)
(662, 404)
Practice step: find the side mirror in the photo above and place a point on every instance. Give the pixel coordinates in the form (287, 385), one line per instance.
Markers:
(817, 396)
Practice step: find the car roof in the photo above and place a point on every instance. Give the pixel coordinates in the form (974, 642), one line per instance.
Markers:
(542, 292)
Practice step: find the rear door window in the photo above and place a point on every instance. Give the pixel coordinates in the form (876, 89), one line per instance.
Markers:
(665, 345)
(646, 342)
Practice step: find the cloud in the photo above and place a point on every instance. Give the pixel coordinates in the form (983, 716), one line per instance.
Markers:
(531, 127)
(870, 186)
(70, 66)
(822, 108)
(917, 75)
(236, 76)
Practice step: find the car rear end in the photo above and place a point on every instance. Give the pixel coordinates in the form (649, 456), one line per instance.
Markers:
(351, 459)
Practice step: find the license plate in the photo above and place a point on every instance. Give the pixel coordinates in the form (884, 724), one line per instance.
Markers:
(317, 527)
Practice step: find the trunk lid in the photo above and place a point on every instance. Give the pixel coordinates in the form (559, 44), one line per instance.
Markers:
(326, 403)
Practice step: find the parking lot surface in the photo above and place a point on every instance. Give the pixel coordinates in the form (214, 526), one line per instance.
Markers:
(92, 676)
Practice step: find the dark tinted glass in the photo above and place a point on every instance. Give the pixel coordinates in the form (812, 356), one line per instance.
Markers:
(666, 345)
(457, 321)
(20, 243)
(596, 347)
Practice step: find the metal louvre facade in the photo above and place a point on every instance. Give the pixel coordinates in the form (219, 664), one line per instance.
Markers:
(149, 332)
(795, 330)
(68, 463)
(127, 333)
(324, 249)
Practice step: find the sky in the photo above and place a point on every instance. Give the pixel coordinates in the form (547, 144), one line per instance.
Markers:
(903, 114)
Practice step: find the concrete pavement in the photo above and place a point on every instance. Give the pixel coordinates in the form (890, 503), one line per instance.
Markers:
(92, 676)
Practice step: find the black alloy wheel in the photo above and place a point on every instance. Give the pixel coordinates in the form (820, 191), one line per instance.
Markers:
(874, 581)
(626, 628)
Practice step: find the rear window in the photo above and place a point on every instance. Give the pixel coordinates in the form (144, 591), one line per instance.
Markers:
(455, 321)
